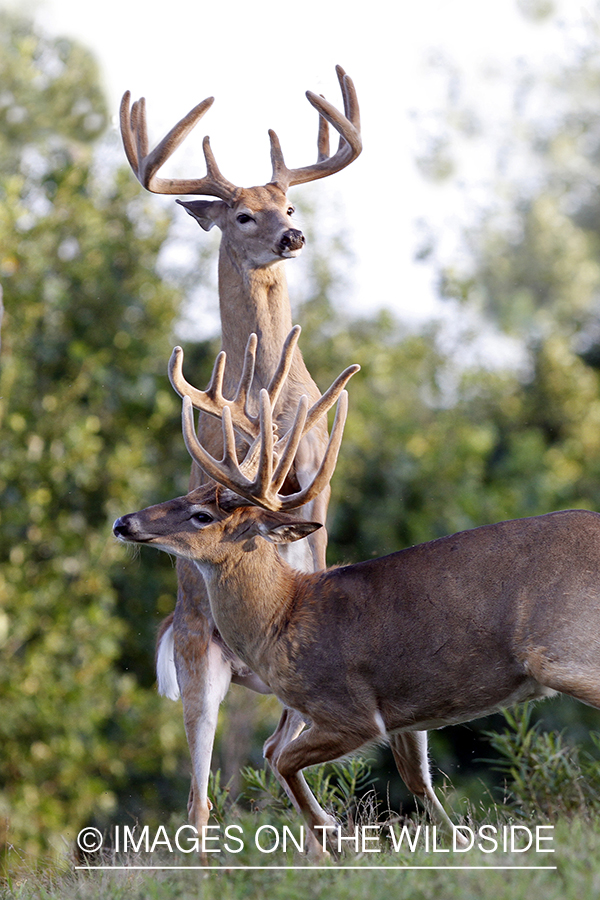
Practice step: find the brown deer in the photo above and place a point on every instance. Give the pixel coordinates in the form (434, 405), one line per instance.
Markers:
(257, 236)
(439, 633)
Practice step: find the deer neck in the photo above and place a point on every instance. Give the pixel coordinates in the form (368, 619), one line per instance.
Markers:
(249, 593)
(253, 300)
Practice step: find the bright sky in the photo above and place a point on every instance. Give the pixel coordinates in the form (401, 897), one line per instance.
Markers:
(258, 58)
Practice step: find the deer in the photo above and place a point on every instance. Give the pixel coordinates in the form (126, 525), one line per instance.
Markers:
(257, 237)
(383, 650)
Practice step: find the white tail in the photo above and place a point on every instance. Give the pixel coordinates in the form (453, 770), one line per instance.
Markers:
(166, 675)
(258, 235)
(440, 633)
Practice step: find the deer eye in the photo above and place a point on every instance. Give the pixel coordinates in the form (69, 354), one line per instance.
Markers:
(243, 218)
(201, 518)
(291, 210)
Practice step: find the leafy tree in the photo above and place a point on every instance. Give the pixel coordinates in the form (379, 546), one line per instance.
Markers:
(529, 270)
(88, 430)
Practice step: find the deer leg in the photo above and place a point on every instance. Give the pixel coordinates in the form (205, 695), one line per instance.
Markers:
(410, 755)
(578, 678)
(290, 725)
(202, 690)
(316, 745)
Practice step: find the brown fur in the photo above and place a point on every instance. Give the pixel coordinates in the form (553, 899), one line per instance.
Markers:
(253, 298)
(440, 633)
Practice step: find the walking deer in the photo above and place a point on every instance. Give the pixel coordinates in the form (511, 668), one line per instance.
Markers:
(439, 633)
(257, 236)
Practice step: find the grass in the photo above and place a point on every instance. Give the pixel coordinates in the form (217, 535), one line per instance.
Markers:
(577, 876)
(548, 785)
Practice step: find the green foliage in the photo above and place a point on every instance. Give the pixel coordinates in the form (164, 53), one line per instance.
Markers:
(50, 95)
(220, 797)
(546, 777)
(86, 335)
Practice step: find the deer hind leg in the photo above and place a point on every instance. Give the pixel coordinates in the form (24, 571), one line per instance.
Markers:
(410, 755)
(168, 686)
(578, 678)
(203, 687)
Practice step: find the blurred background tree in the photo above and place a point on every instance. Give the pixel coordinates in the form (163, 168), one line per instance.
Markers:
(490, 413)
(527, 272)
(88, 429)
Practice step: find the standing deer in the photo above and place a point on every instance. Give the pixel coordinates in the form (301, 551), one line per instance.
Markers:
(436, 634)
(257, 236)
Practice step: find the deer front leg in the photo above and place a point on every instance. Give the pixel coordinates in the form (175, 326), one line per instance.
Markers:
(316, 745)
(289, 727)
(410, 755)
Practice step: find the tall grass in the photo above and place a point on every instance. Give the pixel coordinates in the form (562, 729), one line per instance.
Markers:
(547, 783)
(545, 776)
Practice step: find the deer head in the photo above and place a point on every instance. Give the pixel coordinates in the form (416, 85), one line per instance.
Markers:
(255, 222)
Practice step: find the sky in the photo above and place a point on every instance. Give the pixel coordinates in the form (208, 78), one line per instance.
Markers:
(258, 59)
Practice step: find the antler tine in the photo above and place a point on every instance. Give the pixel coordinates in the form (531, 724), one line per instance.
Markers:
(128, 129)
(327, 400)
(323, 150)
(212, 401)
(351, 107)
(351, 112)
(261, 488)
(145, 164)
(293, 436)
(284, 365)
(201, 400)
(225, 471)
(327, 467)
(346, 124)
(140, 133)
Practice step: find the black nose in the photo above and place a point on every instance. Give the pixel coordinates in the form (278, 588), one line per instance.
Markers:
(293, 239)
(120, 529)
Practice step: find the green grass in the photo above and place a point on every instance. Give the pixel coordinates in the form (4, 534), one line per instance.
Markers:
(548, 784)
(577, 876)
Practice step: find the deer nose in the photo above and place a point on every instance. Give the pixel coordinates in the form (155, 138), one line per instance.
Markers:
(120, 528)
(292, 239)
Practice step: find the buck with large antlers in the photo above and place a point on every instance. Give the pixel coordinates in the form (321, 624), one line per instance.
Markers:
(440, 633)
(269, 460)
(257, 236)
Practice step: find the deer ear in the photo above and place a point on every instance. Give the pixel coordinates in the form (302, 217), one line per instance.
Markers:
(205, 212)
(287, 532)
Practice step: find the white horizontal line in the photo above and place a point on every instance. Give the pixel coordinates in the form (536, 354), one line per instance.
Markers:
(310, 868)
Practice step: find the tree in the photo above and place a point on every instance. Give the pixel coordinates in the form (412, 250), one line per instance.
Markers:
(88, 429)
(528, 270)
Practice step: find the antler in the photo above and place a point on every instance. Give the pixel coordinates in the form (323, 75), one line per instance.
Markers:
(145, 165)
(212, 401)
(262, 473)
(263, 489)
(348, 127)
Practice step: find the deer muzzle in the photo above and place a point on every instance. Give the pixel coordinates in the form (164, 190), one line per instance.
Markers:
(292, 241)
(124, 529)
